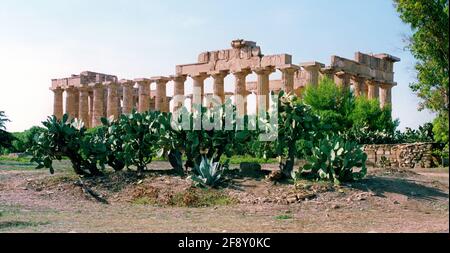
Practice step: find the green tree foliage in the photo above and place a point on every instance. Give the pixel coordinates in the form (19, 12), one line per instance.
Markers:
(331, 103)
(367, 112)
(429, 44)
(24, 140)
(6, 138)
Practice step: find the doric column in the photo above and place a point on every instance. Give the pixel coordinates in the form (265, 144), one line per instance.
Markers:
(358, 85)
(385, 95)
(58, 110)
(98, 104)
(262, 88)
(83, 105)
(342, 79)
(91, 107)
(144, 94)
(312, 72)
(287, 77)
(199, 87)
(219, 84)
(128, 92)
(178, 91)
(112, 108)
(372, 89)
(240, 91)
(70, 102)
(160, 96)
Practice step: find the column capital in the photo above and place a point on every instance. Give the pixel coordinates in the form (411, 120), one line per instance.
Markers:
(219, 74)
(126, 82)
(56, 89)
(264, 70)
(178, 78)
(142, 81)
(199, 76)
(160, 79)
(289, 68)
(242, 73)
(309, 66)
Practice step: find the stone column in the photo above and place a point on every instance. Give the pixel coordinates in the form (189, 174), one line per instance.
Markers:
(112, 108)
(77, 102)
(240, 91)
(312, 72)
(128, 93)
(199, 86)
(98, 104)
(219, 84)
(83, 105)
(160, 96)
(385, 95)
(178, 91)
(358, 84)
(373, 89)
(287, 78)
(342, 79)
(58, 110)
(262, 88)
(144, 94)
(91, 107)
(70, 102)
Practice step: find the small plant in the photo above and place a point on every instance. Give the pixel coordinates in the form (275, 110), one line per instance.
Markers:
(333, 159)
(208, 173)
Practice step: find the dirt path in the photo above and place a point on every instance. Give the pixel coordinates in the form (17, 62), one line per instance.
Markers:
(386, 201)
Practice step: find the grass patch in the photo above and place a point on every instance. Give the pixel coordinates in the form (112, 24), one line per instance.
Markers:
(201, 198)
(20, 224)
(22, 159)
(192, 197)
(248, 159)
(283, 217)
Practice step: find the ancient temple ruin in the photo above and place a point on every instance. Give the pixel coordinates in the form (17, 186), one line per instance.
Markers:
(91, 96)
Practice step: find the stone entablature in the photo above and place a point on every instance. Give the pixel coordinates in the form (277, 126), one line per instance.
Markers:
(91, 95)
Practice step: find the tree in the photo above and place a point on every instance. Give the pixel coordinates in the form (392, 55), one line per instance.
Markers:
(6, 138)
(368, 113)
(332, 103)
(429, 44)
(3, 120)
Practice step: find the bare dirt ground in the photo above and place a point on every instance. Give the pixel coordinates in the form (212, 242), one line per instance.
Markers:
(388, 200)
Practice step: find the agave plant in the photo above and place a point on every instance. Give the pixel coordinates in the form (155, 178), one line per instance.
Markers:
(208, 173)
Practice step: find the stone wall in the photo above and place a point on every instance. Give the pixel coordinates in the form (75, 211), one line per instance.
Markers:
(411, 155)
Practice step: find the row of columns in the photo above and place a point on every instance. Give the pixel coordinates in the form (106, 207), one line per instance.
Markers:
(263, 91)
(88, 102)
(368, 88)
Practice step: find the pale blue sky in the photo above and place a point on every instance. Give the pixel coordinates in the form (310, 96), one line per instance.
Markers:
(45, 39)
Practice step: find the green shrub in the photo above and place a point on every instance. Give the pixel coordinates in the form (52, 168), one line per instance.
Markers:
(333, 159)
(67, 138)
(331, 103)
